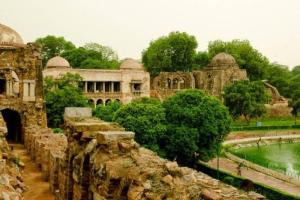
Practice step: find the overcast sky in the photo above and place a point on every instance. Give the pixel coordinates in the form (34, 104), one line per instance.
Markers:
(272, 26)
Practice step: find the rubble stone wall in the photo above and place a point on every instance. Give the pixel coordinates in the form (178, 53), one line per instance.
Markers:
(100, 160)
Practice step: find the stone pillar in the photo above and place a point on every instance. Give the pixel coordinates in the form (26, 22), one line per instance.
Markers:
(112, 87)
(95, 87)
(85, 87)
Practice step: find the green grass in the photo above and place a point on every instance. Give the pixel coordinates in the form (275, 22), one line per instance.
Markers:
(267, 122)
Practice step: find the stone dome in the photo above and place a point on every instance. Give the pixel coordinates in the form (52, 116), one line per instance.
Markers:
(58, 62)
(132, 64)
(9, 37)
(223, 60)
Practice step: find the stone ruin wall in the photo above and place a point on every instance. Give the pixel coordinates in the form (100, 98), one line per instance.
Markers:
(104, 158)
(26, 63)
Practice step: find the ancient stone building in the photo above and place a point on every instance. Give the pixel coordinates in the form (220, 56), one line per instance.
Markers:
(21, 84)
(102, 86)
(221, 71)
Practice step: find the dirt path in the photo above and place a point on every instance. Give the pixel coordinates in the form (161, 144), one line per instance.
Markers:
(38, 189)
(230, 166)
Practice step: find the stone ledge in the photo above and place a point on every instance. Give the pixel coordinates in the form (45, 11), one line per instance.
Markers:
(113, 136)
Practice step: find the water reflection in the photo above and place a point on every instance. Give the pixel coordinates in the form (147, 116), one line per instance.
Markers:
(284, 158)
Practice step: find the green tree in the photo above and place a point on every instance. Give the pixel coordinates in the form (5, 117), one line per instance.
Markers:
(146, 118)
(279, 76)
(52, 46)
(201, 59)
(107, 52)
(294, 103)
(247, 99)
(246, 56)
(107, 112)
(197, 124)
(174, 52)
(61, 93)
(77, 56)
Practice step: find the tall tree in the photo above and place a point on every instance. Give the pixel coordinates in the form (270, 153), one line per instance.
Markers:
(107, 52)
(146, 118)
(174, 52)
(279, 76)
(62, 93)
(52, 46)
(247, 99)
(246, 56)
(197, 124)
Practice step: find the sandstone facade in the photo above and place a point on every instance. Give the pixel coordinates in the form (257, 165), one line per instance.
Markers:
(222, 71)
(131, 81)
(21, 84)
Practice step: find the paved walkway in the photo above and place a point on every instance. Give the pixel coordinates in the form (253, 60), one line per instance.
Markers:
(231, 166)
(253, 139)
(38, 189)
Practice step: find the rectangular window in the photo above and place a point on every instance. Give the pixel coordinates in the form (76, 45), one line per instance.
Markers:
(99, 87)
(117, 87)
(90, 87)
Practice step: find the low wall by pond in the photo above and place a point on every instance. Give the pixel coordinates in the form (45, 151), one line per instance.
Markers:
(259, 163)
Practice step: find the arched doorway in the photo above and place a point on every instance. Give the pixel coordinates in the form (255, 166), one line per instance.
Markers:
(107, 101)
(99, 102)
(14, 125)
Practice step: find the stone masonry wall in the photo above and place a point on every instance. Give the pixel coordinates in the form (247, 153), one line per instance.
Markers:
(96, 160)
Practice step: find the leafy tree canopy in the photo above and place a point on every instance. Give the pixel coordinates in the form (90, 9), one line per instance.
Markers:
(52, 46)
(107, 53)
(245, 98)
(107, 112)
(197, 123)
(246, 56)
(174, 52)
(279, 76)
(61, 93)
(146, 118)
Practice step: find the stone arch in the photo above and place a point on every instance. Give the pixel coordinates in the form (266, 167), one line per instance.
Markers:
(175, 83)
(99, 102)
(118, 100)
(13, 122)
(107, 101)
(92, 102)
(169, 83)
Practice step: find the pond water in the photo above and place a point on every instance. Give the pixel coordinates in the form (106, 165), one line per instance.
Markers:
(284, 158)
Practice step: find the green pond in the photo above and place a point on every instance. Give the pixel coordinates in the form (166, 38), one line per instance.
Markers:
(284, 158)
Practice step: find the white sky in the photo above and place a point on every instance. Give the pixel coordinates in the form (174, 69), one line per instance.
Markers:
(272, 26)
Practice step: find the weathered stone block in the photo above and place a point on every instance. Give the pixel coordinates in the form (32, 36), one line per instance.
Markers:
(114, 136)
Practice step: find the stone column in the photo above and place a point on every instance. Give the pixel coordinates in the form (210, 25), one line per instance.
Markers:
(85, 87)
(112, 87)
(95, 87)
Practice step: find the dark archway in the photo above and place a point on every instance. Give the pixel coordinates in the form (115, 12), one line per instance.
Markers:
(14, 126)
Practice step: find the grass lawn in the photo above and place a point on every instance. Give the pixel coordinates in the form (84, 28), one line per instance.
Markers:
(267, 122)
